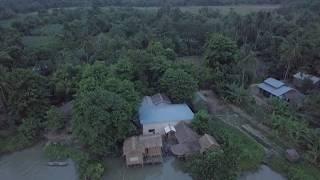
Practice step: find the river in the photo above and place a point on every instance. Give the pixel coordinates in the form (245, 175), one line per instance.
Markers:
(30, 164)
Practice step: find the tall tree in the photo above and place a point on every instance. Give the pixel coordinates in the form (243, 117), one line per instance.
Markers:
(178, 84)
(101, 120)
(216, 164)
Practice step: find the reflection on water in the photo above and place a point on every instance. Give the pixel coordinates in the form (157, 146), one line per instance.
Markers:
(264, 173)
(169, 170)
(31, 164)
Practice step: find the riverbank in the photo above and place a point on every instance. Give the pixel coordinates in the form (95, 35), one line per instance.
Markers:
(14, 143)
(31, 164)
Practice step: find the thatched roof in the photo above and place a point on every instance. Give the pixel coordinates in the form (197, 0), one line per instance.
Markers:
(132, 144)
(184, 134)
(187, 139)
(150, 141)
(207, 142)
(185, 148)
(140, 143)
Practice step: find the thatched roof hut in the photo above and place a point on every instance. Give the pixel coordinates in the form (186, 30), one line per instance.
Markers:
(134, 151)
(207, 142)
(139, 150)
(187, 141)
(185, 134)
(152, 144)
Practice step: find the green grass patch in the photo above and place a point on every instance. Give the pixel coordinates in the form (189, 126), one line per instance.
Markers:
(14, 143)
(251, 153)
(37, 42)
(294, 171)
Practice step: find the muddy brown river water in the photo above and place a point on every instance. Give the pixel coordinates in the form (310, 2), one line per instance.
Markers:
(30, 164)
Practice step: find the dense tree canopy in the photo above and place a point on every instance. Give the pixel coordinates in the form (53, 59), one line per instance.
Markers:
(220, 50)
(216, 164)
(107, 58)
(178, 85)
(101, 120)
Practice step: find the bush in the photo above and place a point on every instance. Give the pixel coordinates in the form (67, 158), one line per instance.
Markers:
(251, 153)
(56, 152)
(218, 164)
(55, 120)
(14, 143)
(300, 171)
(200, 122)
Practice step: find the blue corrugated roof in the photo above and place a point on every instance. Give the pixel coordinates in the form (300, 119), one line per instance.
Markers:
(275, 91)
(273, 82)
(150, 113)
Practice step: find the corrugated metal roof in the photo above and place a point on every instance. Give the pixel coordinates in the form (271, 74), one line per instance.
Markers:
(275, 91)
(273, 82)
(150, 113)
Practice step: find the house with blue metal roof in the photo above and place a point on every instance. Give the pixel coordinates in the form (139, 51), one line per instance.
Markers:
(274, 88)
(157, 113)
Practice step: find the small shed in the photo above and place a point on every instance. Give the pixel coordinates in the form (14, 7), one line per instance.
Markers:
(207, 142)
(276, 88)
(152, 145)
(273, 87)
(140, 150)
(133, 151)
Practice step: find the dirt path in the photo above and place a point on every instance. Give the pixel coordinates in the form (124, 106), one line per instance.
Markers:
(234, 116)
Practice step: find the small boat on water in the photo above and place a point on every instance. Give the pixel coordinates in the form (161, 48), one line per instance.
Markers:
(57, 163)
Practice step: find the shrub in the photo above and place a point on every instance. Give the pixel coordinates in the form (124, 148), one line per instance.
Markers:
(200, 122)
(216, 164)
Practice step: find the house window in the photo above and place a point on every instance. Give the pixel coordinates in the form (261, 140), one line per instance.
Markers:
(152, 131)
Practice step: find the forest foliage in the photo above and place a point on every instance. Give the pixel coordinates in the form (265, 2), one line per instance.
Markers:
(106, 59)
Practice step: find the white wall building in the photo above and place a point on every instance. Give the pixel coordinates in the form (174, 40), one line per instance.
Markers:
(156, 114)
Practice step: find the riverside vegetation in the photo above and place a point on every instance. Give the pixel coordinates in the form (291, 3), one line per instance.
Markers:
(106, 59)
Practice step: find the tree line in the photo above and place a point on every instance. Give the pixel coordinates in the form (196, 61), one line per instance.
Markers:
(19, 6)
(105, 60)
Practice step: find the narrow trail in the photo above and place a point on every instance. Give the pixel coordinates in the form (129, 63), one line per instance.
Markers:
(237, 118)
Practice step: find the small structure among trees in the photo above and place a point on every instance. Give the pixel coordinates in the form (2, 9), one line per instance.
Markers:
(156, 113)
(207, 142)
(140, 150)
(189, 142)
(275, 88)
(133, 151)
